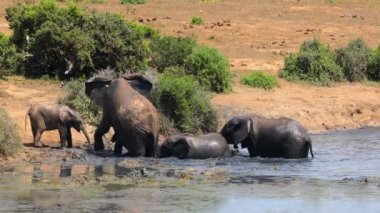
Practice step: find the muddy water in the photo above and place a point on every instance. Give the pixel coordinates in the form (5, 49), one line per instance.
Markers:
(344, 176)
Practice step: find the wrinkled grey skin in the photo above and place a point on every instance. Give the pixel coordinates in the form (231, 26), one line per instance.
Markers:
(211, 145)
(267, 137)
(46, 117)
(128, 111)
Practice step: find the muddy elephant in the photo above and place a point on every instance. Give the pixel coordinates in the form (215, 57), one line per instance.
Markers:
(125, 108)
(211, 145)
(268, 137)
(46, 117)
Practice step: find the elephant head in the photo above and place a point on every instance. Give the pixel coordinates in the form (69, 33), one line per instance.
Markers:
(177, 146)
(97, 86)
(73, 119)
(240, 129)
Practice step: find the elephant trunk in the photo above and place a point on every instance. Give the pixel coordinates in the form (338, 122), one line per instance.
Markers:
(86, 134)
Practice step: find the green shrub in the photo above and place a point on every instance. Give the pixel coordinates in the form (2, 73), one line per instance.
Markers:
(75, 97)
(373, 72)
(8, 56)
(132, 1)
(197, 21)
(181, 99)
(259, 79)
(210, 68)
(171, 51)
(314, 62)
(354, 60)
(53, 36)
(10, 139)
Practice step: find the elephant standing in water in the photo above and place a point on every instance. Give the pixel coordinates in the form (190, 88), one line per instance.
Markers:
(266, 137)
(211, 145)
(45, 117)
(125, 108)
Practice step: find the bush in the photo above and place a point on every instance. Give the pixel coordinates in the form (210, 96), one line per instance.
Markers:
(354, 60)
(314, 62)
(210, 68)
(373, 72)
(132, 1)
(10, 139)
(260, 80)
(181, 99)
(171, 51)
(75, 97)
(8, 56)
(56, 37)
(197, 21)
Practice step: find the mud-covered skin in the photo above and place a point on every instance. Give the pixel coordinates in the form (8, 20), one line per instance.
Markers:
(133, 117)
(268, 137)
(211, 145)
(46, 117)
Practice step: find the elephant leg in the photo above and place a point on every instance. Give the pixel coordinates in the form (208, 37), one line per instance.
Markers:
(149, 146)
(69, 138)
(118, 148)
(63, 135)
(135, 146)
(103, 128)
(37, 138)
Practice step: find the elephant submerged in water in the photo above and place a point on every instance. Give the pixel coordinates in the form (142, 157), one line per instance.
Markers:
(45, 117)
(125, 108)
(211, 145)
(267, 137)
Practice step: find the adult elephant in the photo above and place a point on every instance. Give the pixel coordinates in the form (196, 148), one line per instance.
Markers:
(45, 117)
(268, 137)
(128, 111)
(211, 145)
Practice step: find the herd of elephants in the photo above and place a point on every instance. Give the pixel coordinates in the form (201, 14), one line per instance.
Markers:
(136, 125)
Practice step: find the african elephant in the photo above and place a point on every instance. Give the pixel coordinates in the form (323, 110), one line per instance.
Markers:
(45, 117)
(125, 108)
(211, 145)
(268, 137)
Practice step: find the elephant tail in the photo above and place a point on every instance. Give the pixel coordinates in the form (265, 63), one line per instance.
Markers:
(308, 142)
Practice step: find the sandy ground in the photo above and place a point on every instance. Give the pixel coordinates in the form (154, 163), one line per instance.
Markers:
(254, 34)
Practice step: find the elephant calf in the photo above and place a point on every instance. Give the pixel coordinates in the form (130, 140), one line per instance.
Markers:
(211, 145)
(45, 117)
(266, 137)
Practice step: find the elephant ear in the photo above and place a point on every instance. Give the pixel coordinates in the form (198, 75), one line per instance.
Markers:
(139, 83)
(96, 83)
(65, 115)
(181, 148)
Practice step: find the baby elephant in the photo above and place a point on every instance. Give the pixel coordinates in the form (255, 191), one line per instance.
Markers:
(45, 117)
(211, 145)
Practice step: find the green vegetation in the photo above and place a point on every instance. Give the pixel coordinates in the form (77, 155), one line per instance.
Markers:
(56, 37)
(211, 68)
(354, 59)
(132, 1)
(10, 139)
(8, 56)
(197, 20)
(373, 72)
(259, 79)
(314, 62)
(181, 99)
(75, 97)
(171, 51)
